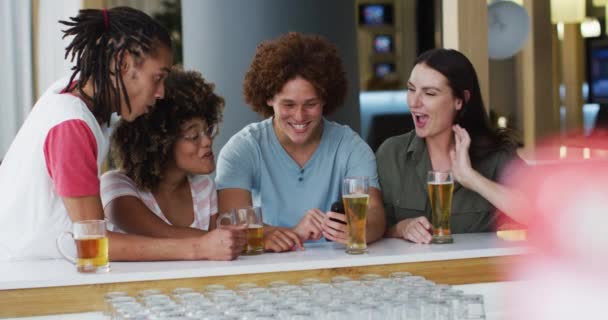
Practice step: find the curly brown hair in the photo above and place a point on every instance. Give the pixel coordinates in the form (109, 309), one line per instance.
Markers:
(309, 56)
(143, 149)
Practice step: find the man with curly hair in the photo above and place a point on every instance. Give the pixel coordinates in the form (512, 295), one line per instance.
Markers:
(162, 188)
(293, 162)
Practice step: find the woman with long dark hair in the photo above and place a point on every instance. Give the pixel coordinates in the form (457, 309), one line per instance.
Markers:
(452, 133)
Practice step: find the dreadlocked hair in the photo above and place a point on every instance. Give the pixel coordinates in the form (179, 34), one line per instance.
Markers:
(98, 47)
(143, 148)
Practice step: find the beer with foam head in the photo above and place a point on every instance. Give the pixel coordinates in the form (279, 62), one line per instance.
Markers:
(441, 188)
(355, 194)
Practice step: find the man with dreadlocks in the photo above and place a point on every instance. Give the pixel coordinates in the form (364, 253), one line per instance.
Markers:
(49, 176)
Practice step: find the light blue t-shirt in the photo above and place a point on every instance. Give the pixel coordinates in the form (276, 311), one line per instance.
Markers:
(254, 160)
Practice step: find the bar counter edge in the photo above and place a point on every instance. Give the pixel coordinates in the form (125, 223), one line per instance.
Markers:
(55, 287)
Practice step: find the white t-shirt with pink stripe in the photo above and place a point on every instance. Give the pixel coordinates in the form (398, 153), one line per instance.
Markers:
(116, 184)
(57, 153)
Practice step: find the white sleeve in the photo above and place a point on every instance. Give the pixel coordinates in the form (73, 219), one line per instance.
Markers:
(116, 184)
(214, 208)
(205, 200)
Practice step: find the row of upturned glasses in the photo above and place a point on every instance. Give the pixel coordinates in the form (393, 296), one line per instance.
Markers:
(371, 297)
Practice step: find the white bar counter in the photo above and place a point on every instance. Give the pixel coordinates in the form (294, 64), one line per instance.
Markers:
(472, 258)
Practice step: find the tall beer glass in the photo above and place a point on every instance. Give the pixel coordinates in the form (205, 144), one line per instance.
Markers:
(441, 187)
(355, 194)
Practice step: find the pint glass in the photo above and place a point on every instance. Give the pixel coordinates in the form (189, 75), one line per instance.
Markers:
(252, 218)
(355, 194)
(441, 187)
(91, 245)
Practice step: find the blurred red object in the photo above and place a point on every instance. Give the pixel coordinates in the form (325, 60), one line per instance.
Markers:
(566, 273)
(568, 207)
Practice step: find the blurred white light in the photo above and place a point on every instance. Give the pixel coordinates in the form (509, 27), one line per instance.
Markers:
(585, 229)
(591, 28)
(563, 152)
(560, 31)
(519, 2)
(606, 15)
(586, 153)
(502, 122)
(567, 11)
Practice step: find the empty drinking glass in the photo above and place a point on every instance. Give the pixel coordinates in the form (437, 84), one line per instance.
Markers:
(147, 292)
(213, 287)
(340, 279)
(115, 296)
(472, 307)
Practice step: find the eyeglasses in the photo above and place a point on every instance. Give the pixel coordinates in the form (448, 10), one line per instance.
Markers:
(210, 132)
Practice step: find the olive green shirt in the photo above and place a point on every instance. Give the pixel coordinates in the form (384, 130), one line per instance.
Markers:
(403, 163)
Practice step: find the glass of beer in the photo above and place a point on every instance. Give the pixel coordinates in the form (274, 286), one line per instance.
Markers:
(252, 218)
(91, 246)
(441, 187)
(355, 194)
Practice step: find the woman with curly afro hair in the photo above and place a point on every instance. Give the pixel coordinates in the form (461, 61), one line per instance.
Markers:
(293, 162)
(162, 187)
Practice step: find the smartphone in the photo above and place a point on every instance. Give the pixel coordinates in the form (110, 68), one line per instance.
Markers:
(338, 207)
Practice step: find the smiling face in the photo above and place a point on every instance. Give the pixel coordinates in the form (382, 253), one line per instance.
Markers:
(144, 81)
(431, 101)
(298, 113)
(193, 152)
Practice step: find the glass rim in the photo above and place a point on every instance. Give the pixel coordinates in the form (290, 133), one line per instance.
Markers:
(89, 221)
(439, 175)
(234, 212)
(254, 208)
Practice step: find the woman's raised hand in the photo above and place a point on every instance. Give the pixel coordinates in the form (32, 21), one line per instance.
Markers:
(461, 162)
